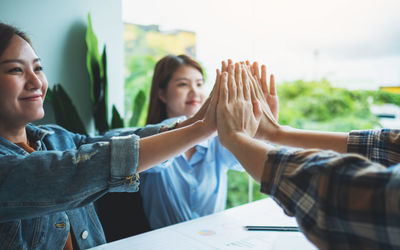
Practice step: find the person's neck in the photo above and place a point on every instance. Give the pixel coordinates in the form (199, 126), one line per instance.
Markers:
(13, 133)
(189, 153)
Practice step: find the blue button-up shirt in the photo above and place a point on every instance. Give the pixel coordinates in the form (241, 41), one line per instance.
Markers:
(179, 190)
(50, 191)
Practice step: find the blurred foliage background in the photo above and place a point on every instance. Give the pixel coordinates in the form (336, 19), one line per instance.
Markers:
(144, 46)
(316, 105)
(313, 105)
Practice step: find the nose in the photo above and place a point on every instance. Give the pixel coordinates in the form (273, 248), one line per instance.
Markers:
(194, 88)
(33, 81)
(193, 92)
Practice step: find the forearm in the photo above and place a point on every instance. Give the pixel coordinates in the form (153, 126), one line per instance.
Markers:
(289, 136)
(158, 148)
(251, 153)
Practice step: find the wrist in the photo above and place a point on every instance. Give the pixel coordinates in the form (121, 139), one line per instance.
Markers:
(280, 135)
(271, 134)
(232, 139)
(201, 129)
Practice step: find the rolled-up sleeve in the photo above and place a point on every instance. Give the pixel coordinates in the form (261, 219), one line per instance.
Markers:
(290, 175)
(124, 161)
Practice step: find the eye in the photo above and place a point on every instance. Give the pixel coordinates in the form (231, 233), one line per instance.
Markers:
(39, 68)
(15, 70)
(200, 84)
(182, 84)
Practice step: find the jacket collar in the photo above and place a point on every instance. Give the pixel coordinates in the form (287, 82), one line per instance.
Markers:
(36, 133)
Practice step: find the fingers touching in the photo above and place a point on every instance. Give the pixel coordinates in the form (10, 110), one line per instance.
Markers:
(231, 82)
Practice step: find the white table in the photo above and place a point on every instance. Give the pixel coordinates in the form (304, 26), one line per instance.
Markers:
(222, 230)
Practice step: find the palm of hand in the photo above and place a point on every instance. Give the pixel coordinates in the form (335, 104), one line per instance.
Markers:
(267, 123)
(269, 105)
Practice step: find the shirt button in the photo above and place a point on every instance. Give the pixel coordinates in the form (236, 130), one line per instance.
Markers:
(193, 190)
(84, 235)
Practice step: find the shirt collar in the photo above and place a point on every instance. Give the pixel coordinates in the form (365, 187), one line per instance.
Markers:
(203, 144)
(168, 121)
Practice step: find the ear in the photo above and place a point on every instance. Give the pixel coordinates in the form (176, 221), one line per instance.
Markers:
(161, 95)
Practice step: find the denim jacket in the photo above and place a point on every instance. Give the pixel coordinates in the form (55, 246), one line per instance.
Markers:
(50, 191)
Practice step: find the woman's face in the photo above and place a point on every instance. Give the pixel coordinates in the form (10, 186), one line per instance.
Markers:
(23, 84)
(185, 92)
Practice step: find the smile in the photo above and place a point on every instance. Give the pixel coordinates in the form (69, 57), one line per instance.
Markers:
(32, 98)
(193, 103)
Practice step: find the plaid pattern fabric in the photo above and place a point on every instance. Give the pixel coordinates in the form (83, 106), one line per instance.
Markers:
(341, 201)
(380, 146)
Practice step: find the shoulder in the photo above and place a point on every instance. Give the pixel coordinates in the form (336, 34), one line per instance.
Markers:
(54, 134)
(53, 128)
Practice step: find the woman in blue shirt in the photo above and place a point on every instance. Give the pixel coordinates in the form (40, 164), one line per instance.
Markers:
(194, 183)
(50, 177)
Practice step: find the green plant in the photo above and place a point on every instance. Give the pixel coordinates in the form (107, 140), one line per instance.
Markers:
(138, 107)
(137, 88)
(64, 110)
(238, 189)
(97, 68)
(319, 105)
(116, 121)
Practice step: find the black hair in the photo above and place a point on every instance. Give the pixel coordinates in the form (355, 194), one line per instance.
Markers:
(6, 34)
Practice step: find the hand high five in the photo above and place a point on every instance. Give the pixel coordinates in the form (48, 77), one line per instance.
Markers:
(237, 113)
(269, 91)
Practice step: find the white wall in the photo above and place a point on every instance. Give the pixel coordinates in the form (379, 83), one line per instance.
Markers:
(57, 29)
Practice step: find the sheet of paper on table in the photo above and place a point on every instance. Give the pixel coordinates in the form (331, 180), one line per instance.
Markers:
(224, 230)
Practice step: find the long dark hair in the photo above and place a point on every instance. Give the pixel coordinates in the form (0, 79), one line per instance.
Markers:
(6, 33)
(163, 72)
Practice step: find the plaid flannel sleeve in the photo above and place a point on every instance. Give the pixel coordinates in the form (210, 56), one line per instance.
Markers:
(382, 146)
(339, 201)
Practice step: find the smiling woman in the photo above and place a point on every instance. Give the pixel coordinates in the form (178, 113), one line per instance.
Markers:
(177, 88)
(49, 176)
(194, 183)
(184, 94)
(22, 90)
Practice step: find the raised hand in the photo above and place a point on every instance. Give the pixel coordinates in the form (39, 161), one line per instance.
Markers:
(268, 125)
(210, 116)
(208, 108)
(225, 65)
(269, 91)
(236, 113)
